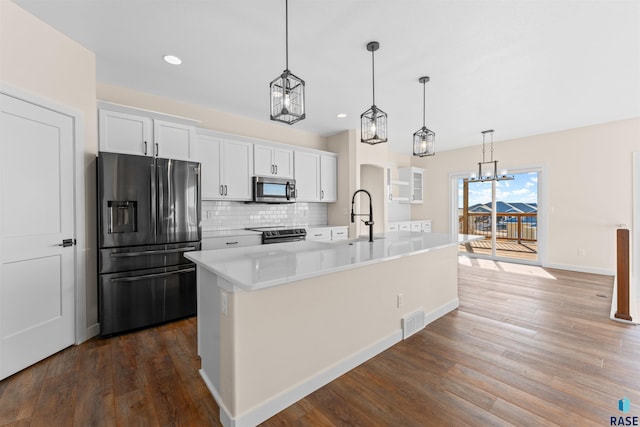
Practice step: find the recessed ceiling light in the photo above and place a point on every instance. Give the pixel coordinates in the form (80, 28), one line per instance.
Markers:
(173, 60)
(341, 115)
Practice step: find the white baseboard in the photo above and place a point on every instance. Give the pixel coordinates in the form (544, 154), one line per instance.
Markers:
(441, 311)
(90, 332)
(582, 269)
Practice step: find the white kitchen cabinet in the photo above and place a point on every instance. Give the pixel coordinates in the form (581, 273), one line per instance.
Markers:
(226, 168)
(307, 175)
(414, 177)
(416, 226)
(271, 160)
(125, 133)
(231, 241)
(425, 226)
(340, 233)
(328, 178)
(327, 233)
(319, 234)
(144, 135)
(173, 140)
(316, 176)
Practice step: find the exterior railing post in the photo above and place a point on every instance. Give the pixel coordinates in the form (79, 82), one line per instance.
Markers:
(622, 237)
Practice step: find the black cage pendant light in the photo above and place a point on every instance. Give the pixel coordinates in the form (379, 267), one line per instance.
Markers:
(287, 90)
(373, 122)
(424, 140)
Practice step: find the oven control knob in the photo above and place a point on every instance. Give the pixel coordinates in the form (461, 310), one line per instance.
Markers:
(268, 233)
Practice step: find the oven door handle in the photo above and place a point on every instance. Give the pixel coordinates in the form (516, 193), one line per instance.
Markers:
(153, 276)
(156, 252)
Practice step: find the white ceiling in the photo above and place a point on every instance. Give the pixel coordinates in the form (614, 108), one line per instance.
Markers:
(519, 67)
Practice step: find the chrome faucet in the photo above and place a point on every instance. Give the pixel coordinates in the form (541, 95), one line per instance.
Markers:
(353, 215)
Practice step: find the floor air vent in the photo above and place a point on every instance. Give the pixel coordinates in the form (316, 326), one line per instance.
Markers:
(412, 323)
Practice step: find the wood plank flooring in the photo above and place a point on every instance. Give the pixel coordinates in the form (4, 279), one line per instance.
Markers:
(528, 346)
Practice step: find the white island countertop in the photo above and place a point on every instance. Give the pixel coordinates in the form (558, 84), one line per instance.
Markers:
(263, 266)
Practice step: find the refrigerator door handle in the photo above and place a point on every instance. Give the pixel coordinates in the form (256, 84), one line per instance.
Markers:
(153, 276)
(162, 251)
(154, 200)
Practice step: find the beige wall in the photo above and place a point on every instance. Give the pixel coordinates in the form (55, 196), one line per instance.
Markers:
(588, 176)
(38, 60)
(212, 119)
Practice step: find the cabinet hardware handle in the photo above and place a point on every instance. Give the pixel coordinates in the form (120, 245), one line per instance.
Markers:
(221, 191)
(157, 149)
(317, 235)
(321, 194)
(225, 190)
(276, 166)
(145, 148)
(272, 171)
(67, 242)
(232, 243)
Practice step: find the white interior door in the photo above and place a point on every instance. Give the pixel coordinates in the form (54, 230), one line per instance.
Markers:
(36, 213)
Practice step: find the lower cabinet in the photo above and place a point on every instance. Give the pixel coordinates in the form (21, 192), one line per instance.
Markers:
(415, 226)
(231, 241)
(327, 233)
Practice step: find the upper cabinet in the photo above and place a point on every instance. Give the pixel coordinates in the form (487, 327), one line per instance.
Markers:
(328, 178)
(125, 133)
(131, 131)
(173, 140)
(316, 176)
(272, 160)
(226, 166)
(307, 175)
(413, 190)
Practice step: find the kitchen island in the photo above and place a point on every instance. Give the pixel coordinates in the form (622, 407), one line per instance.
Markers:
(276, 322)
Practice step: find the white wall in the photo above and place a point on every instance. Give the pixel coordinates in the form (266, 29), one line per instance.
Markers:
(589, 187)
(39, 60)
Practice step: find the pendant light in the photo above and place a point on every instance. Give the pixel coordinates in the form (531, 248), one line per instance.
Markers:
(424, 139)
(287, 90)
(488, 170)
(373, 122)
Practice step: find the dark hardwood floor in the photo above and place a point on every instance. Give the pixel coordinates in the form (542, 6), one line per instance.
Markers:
(528, 346)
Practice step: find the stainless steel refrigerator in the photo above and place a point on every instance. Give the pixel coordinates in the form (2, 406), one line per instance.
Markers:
(148, 217)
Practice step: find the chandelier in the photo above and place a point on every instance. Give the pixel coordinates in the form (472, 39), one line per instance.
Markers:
(488, 170)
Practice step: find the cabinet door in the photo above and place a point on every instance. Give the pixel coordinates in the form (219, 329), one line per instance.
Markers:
(124, 133)
(263, 162)
(307, 175)
(236, 166)
(172, 140)
(207, 152)
(283, 162)
(328, 178)
(416, 186)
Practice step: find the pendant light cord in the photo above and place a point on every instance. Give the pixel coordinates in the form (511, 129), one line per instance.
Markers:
(424, 103)
(286, 32)
(373, 76)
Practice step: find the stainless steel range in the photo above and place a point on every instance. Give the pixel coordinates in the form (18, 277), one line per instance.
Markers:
(281, 234)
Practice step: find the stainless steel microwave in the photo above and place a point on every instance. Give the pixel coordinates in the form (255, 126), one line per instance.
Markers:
(273, 190)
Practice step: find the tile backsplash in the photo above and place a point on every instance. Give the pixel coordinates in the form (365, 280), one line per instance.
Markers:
(223, 215)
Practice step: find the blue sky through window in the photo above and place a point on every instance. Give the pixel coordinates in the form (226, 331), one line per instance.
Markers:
(524, 189)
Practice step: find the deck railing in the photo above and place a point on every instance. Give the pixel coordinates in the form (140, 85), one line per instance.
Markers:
(512, 226)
